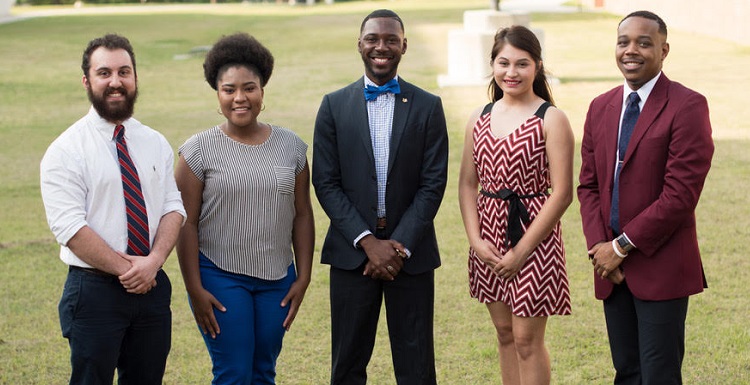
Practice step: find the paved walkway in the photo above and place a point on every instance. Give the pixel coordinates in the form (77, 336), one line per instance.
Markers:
(123, 9)
(505, 5)
(537, 6)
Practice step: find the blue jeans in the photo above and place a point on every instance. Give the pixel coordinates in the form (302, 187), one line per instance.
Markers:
(109, 328)
(246, 350)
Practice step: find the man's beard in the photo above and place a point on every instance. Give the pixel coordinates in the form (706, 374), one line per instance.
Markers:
(118, 112)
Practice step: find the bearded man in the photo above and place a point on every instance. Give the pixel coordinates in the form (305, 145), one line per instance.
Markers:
(114, 208)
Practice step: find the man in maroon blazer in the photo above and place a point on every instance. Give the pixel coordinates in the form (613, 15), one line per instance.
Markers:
(644, 161)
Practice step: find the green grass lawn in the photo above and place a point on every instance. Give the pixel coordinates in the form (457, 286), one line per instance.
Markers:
(315, 48)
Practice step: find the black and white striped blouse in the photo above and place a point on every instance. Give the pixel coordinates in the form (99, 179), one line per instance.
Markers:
(246, 219)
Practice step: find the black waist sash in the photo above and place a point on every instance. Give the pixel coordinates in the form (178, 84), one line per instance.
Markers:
(516, 211)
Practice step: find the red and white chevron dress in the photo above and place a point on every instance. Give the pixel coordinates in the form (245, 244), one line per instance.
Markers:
(517, 162)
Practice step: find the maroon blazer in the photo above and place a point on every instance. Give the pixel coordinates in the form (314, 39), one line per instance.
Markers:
(661, 179)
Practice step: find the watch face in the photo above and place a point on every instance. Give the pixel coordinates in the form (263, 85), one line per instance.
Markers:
(623, 242)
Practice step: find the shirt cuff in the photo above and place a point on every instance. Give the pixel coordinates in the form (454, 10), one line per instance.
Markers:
(368, 232)
(359, 238)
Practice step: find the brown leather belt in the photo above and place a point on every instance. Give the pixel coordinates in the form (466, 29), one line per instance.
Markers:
(381, 223)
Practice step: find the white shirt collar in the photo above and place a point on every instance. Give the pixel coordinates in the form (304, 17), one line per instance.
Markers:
(106, 127)
(643, 92)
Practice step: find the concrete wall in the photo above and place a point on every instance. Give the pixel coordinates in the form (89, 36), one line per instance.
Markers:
(721, 18)
(5, 6)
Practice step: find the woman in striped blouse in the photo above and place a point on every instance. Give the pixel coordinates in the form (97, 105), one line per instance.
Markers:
(246, 248)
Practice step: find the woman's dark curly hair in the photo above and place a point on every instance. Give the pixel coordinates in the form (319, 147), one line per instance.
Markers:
(239, 49)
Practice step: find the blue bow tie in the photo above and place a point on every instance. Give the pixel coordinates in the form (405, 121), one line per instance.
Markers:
(372, 92)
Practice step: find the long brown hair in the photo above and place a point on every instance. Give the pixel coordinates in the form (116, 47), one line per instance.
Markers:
(522, 38)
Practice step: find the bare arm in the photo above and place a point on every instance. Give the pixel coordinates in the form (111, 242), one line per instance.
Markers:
(92, 249)
(468, 183)
(141, 276)
(202, 301)
(303, 242)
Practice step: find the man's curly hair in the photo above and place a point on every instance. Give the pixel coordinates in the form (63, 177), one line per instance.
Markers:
(238, 49)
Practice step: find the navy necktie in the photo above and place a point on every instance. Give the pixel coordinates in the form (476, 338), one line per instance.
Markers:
(372, 92)
(626, 131)
(135, 206)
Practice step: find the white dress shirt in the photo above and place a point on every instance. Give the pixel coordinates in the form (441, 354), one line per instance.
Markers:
(81, 182)
(643, 92)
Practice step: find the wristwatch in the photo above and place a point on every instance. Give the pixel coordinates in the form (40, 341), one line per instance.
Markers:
(624, 243)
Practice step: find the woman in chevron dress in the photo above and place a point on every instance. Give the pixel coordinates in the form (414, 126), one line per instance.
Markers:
(518, 153)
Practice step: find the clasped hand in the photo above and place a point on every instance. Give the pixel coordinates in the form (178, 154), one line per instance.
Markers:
(385, 257)
(504, 265)
(606, 263)
(141, 277)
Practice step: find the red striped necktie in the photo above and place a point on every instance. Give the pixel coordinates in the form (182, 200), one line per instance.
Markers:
(135, 206)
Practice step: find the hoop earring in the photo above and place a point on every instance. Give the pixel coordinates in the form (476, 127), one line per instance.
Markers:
(263, 108)
(218, 110)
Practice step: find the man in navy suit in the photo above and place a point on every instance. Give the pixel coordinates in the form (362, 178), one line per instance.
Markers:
(380, 158)
(638, 200)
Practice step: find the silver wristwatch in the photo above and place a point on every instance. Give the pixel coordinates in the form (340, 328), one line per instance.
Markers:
(624, 243)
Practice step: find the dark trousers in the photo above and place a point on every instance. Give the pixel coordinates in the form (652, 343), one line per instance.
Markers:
(355, 307)
(109, 328)
(646, 338)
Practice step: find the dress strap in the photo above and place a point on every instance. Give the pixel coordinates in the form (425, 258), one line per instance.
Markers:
(487, 109)
(539, 112)
(542, 110)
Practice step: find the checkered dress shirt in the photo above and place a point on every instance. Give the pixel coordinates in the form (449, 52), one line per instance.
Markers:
(380, 116)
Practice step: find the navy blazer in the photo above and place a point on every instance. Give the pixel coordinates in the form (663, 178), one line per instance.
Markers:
(343, 174)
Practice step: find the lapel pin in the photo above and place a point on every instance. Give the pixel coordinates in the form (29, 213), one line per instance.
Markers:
(404, 100)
